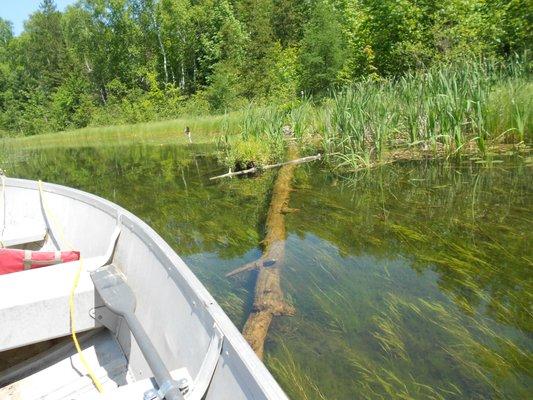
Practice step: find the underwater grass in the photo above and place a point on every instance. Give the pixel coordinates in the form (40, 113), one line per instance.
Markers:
(403, 346)
(299, 384)
(458, 328)
(476, 354)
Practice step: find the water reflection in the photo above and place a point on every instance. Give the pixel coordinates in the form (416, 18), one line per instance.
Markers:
(410, 281)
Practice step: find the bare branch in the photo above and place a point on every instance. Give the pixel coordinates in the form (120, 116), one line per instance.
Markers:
(266, 167)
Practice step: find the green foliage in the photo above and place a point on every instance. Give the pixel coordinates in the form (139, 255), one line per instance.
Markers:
(283, 76)
(288, 20)
(321, 55)
(6, 34)
(72, 103)
(248, 153)
(395, 34)
(222, 92)
(126, 61)
(516, 19)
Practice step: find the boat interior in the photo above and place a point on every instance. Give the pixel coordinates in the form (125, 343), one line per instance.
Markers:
(39, 308)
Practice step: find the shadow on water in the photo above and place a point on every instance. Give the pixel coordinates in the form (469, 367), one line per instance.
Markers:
(410, 281)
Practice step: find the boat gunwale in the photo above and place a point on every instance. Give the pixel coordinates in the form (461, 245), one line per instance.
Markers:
(173, 264)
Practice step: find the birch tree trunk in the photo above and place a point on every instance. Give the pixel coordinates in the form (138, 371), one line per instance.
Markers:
(161, 46)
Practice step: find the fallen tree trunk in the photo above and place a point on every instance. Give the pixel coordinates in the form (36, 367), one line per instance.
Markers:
(271, 166)
(268, 296)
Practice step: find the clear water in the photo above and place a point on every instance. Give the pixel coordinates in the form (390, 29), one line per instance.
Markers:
(410, 281)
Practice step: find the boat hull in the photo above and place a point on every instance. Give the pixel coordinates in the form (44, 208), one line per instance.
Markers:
(184, 322)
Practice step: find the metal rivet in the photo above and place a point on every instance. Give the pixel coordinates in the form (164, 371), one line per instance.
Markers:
(150, 395)
(183, 385)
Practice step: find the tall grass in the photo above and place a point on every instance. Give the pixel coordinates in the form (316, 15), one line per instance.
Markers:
(204, 130)
(262, 133)
(446, 108)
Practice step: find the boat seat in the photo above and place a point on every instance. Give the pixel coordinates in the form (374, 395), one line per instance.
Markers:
(34, 305)
(22, 234)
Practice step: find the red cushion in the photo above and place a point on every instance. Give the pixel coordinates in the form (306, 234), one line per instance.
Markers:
(14, 260)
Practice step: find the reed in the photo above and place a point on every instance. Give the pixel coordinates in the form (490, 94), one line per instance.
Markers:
(447, 109)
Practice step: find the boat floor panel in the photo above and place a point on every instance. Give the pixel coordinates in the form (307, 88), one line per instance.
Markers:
(66, 378)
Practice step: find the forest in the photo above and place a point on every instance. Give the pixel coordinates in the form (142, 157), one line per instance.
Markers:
(103, 62)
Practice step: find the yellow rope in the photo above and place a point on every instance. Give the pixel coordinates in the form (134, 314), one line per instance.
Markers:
(71, 304)
(3, 199)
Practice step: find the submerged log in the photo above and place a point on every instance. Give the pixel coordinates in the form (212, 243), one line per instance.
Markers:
(269, 301)
(266, 167)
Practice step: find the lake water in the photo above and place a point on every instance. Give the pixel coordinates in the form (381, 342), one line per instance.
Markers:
(412, 280)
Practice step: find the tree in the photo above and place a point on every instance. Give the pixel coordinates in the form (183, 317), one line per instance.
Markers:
(288, 20)
(6, 36)
(321, 55)
(6, 33)
(517, 20)
(44, 50)
(394, 35)
(221, 39)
